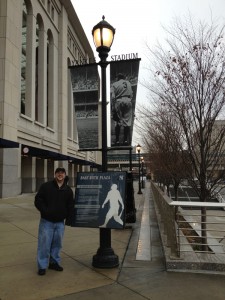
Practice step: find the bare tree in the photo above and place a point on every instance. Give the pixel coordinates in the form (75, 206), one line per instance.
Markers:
(189, 78)
(164, 141)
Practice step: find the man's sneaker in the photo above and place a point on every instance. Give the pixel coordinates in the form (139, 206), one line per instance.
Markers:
(41, 272)
(55, 267)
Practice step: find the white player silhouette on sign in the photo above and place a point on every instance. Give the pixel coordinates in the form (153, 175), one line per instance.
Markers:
(115, 201)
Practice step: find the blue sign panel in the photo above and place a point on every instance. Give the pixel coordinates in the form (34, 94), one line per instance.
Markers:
(99, 200)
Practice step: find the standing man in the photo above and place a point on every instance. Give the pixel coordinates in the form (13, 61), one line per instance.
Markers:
(55, 202)
(121, 96)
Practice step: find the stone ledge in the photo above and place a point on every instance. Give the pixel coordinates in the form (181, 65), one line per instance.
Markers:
(195, 266)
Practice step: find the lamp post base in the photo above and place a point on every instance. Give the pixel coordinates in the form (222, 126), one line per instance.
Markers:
(139, 188)
(105, 259)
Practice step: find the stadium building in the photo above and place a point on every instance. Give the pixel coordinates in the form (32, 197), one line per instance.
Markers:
(39, 40)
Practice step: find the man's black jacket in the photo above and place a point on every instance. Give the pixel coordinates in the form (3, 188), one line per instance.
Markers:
(55, 204)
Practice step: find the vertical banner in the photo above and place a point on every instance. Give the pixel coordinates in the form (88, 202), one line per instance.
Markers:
(123, 90)
(85, 85)
(100, 200)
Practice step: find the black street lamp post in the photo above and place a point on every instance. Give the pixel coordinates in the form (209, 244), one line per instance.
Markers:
(103, 34)
(138, 147)
(142, 172)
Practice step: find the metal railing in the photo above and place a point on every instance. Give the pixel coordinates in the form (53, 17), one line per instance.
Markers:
(189, 231)
(182, 225)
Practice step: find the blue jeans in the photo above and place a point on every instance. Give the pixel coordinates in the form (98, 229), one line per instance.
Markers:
(50, 236)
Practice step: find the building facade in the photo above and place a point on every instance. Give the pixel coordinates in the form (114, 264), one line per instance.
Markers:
(39, 40)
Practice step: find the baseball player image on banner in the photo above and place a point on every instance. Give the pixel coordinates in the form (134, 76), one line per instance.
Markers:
(100, 200)
(123, 90)
(85, 86)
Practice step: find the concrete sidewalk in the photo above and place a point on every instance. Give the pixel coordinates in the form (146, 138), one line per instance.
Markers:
(145, 278)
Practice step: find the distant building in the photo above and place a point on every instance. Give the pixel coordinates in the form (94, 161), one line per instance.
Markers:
(39, 39)
(217, 154)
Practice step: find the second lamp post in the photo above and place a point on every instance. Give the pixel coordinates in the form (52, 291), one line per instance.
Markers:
(142, 172)
(138, 147)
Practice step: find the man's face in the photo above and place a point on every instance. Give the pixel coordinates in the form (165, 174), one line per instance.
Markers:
(60, 176)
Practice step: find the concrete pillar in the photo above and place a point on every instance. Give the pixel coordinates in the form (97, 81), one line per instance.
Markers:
(9, 181)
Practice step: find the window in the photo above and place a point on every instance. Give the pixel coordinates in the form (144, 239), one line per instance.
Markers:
(52, 13)
(40, 72)
(36, 71)
(23, 60)
(49, 6)
(50, 79)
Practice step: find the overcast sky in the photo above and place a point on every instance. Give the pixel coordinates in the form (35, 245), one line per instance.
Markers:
(138, 22)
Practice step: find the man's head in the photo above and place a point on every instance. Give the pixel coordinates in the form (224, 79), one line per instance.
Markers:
(60, 170)
(60, 174)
